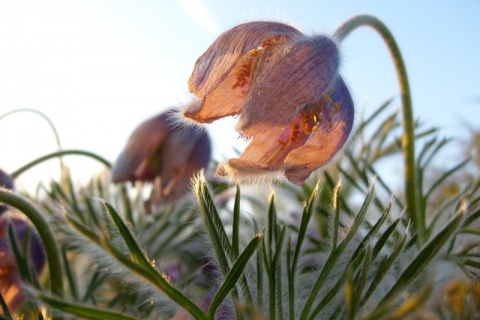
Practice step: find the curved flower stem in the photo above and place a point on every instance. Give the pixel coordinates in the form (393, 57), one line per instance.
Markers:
(29, 165)
(47, 119)
(408, 138)
(45, 233)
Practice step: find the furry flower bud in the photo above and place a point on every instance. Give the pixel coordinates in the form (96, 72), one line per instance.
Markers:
(166, 154)
(10, 279)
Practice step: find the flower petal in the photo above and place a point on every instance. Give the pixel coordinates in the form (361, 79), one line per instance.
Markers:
(326, 142)
(141, 145)
(221, 102)
(215, 64)
(11, 287)
(267, 151)
(5, 182)
(186, 148)
(242, 170)
(179, 168)
(294, 77)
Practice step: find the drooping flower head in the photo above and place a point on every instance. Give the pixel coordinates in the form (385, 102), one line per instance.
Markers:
(286, 89)
(5, 182)
(10, 279)
(166, 154)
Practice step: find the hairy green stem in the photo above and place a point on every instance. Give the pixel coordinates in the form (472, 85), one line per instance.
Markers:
(29, 165)
(45, 233)
(408, 138)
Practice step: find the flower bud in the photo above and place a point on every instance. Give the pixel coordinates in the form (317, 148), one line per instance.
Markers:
(10, 278)
(165, 154)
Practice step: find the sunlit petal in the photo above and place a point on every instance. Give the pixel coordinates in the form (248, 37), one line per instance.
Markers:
(215, 64)
(327, 140)
(240, 169)
(227, 99)
(294, 77)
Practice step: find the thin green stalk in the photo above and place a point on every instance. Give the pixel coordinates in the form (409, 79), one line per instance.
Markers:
(47, 119)
(408, 138)
(49, 156)
(45, 233)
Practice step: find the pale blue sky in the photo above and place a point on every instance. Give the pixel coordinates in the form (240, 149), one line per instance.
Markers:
(98, 68)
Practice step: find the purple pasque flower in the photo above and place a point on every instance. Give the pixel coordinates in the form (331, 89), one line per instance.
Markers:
(10, 279)
(164, 153)
(286, 89)
(5, 182)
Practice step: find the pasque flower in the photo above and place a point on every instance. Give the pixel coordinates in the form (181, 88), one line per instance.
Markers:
(10, 279)
(5, 182)
(164, 153)
(286, 89)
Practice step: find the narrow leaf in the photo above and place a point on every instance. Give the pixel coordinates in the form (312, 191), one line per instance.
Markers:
(422, 259)
(132, 244)
(234, 274)
(86, 312)
(335, 254)
(214, 226)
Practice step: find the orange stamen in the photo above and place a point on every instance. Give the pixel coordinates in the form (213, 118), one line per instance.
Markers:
(244, 72)
(311, 120)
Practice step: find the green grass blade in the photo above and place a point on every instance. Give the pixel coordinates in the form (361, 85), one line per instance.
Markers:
(382, 241)
(149, 273)
(329, 296)
(259, 269)
(80, 227)
(361, 280)
(132, 244)
(444, 176)
(335, 289)
(216, 232)
(69, 274)
(373, 116)
(471, 218)
(140, 265)
(127, 205)
(21, 260)
(366, 239)
(336, 219)
(422, 259)
(234, 275)
(79, 310)
(214, 226)
(271, 225)
(335, 254)
(236, 224)
(292, 263)
(383, 268)
(275, 272)
(45, 233)
(95, 282)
